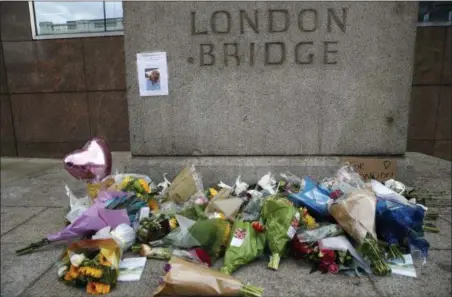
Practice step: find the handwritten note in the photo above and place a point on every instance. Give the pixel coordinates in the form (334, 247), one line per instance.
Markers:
(373, 168)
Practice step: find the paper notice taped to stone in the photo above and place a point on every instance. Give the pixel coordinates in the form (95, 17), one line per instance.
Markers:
(152, 74)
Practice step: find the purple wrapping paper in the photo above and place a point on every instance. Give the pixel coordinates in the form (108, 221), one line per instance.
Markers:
(93, 219)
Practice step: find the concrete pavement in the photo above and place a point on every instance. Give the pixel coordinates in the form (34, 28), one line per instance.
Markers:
(33, 204)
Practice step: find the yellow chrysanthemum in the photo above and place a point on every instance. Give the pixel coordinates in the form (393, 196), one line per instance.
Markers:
(125, 182)
(310, 221)
(153, 204)
(72, 273)
(173, 223)
(213, 192)
(97, 288)
(144, 185)
(91, 271)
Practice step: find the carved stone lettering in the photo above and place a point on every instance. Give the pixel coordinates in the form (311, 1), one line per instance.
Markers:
(333, 17)
(282, 51)
(308, 20)
(309, 59)
(252, 24)
(214, 21)
(234, 54)
(326, 58)
(202, 54)
(272, 16)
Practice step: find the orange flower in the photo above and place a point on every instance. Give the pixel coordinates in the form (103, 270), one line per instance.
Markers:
(153, 205)
(104, 261)
(144, 185)
(72, 273)
(97, 288)
(91, 271)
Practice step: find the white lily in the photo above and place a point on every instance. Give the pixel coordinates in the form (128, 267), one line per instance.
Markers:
(77, 259)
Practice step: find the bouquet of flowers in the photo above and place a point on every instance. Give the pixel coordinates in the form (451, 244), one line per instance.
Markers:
(246, 244)
(312, 196)
(184, 278)
(324, 260)
(210, 234)
(153, 228)
(281, 222)
(187, 183)
(197, 255)
(93, 264)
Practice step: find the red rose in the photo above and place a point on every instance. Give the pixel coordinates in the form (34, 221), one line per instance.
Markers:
(328, 256)
(333, 268)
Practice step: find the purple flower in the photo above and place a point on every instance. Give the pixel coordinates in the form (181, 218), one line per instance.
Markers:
(167, 267)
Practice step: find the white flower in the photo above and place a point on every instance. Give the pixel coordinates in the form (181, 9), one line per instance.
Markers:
(61, 271)
(77, 259)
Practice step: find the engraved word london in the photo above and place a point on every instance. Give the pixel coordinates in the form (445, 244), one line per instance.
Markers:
(274, 52)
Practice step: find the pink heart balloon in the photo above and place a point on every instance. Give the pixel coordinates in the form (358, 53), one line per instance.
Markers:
(91, 163)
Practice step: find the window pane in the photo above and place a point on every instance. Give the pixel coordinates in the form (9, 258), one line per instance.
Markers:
(435, 11)
(113, 14)
(69, 17)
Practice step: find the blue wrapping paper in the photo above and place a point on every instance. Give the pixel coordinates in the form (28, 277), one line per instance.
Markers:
(314, 197)
(397, 223)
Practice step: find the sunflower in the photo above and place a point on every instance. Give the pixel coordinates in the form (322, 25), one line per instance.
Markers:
(97, 288)
(104, 261)
(91, 271)
(72, 273)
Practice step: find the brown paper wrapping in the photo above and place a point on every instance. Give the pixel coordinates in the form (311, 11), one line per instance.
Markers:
(190, 279)
(184, 186)
(356, 214)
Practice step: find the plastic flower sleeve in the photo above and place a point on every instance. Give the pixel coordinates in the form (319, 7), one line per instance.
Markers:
(281, 221)
(245, 245)
(313, 197)
(313, 235)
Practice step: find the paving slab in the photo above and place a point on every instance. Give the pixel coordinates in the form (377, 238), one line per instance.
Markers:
(16, 168)
(49, 221)
(291, 280)
(433, 279)
(20, 272)
(14, 216)
(443, 239)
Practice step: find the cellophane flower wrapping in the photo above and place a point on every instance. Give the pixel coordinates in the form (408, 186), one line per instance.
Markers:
(185, 278)
(210, 234)
(245, 245)
(281, 220)
(196, 255)
(314, 197)
(398, 222)
(97, 267)
(321, 232)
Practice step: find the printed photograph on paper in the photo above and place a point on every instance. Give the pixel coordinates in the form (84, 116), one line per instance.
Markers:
(152, 74)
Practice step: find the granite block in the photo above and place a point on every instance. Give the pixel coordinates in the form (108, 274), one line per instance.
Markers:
(423, 112)
(443, 149)
(444, 122)
(354, 101)
(421, 146)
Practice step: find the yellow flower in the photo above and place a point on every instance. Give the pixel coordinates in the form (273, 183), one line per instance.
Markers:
(309, 221)
(213, 192)
(91, 271)
(97, 288)
(144, 185)
(173, 223)
(72, 273)
(104, 261)
(226, 234)
(125, 181)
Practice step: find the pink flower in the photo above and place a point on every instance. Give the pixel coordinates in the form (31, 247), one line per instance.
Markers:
(333, 268)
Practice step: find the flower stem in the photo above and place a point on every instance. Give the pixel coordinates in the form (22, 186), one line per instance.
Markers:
(274, 261)
(34, 246)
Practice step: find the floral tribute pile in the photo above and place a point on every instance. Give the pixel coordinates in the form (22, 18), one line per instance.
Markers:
(341, 224)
